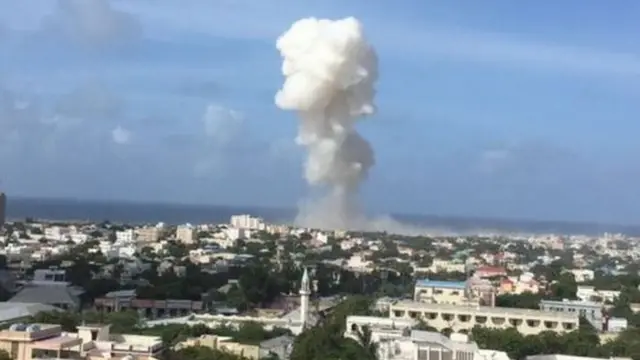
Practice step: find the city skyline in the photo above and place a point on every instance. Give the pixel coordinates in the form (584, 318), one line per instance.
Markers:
(482, 111)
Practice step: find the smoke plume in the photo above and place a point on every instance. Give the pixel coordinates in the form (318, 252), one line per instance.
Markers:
(330, 71)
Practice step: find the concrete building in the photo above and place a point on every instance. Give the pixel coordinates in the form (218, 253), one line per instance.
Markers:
(295, 320)
(247, 222)
(440, 292)
(591, 311)
(426, 345)
(3, 208)
(126, 300)
(463, 318)
(37, 341)
(186, 234)
(148, 234)
(381, 328)
(474, 291)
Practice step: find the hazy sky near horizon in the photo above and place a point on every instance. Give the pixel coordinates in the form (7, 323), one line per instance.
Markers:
(493, 108)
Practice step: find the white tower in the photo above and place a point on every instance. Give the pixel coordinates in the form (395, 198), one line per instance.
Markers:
(305, 291)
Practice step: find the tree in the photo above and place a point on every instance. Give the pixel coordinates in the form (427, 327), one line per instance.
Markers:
(4, 355)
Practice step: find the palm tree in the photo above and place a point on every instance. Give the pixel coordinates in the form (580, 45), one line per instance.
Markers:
(366, 342)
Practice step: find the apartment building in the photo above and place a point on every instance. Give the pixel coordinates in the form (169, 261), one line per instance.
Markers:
(441, 292)
(474, 291)
(148, 234)
(247, 222)
(37, 341)
(590, 293)
(463, 318)
(186, 234)
(590, 310)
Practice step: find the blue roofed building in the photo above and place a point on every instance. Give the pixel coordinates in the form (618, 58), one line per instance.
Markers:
(440, 292)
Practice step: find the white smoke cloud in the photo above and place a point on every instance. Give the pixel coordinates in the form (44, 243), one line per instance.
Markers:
(120, 135)
(330, 71)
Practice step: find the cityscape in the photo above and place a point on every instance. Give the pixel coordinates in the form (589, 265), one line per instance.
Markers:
(249, 289)
(234, 180)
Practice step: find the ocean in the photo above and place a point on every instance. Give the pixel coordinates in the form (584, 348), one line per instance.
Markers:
(141, 213)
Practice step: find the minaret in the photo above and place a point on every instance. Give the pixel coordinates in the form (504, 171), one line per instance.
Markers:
(305, 291)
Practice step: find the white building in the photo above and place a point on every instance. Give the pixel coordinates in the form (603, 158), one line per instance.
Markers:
(186, 233)
(247, 222)
(463, 318)
(125, 236)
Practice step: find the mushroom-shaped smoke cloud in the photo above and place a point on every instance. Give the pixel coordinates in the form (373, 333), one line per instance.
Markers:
(330, 71)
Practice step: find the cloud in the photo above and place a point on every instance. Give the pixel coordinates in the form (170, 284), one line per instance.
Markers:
(401, 39)
(222, 124)
(91, 22)
(221, 129)
(121, 136)
(503, 49)
(493, 160)
(91, 100)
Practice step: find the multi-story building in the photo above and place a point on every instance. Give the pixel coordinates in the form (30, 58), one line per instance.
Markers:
(464, 318)
(473, 291)
(37, 341)
(247, 222)
(125, 236)
(126, 299)
(186, 234)
(441, 292)
(148, 234)
(591, 311)
(3, 208)
(427, 345)
(381, 328)
(590, 293)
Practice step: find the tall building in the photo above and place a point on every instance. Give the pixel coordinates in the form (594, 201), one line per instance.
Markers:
(247, 222)
(3, 208)
(186, 233)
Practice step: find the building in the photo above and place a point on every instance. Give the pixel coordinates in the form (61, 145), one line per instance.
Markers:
(12, 312)
(474, 291)
(463, 318)
(485, 272)
(186, 234)
(37, 341)
(126, 300)
(51, 274)
(247, 222)
(148, 234)
(380, 327)
(591, 311)
(49, 287)
(125, 236)
(569, 357)
(296, 320)
(440, 292)
(590, 293)
(426, 345)
(3, 208)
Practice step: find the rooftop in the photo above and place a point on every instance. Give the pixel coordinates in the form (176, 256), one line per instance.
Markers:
(441, 284)
(501, 311)
(566, 302)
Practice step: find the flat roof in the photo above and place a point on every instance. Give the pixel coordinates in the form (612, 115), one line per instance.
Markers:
(501, 311)
(570, 303)
(58, 342)
(441, 284)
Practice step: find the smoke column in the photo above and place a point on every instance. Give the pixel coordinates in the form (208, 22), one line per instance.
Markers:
(330, 71)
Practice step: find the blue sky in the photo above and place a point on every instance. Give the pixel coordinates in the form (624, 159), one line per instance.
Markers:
(485, 108)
